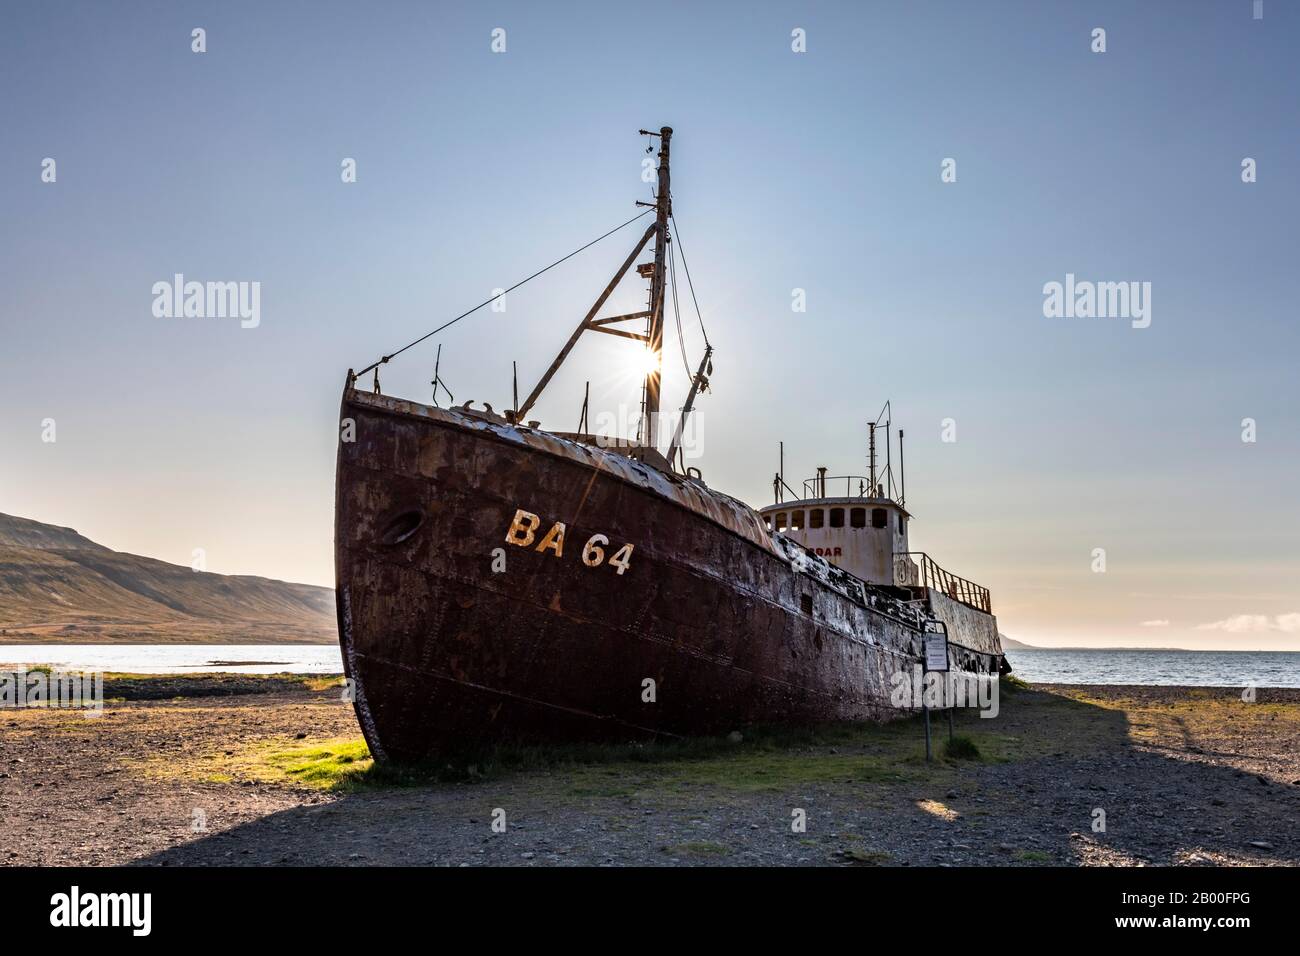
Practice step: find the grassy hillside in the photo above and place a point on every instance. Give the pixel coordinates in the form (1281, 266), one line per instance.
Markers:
(18, 532)
(56, 585)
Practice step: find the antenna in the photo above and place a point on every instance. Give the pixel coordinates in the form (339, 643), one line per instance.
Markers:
(871, 456)
(902, 473)
(437, 382)
(889, 471)
(888, 461)
(436, 363)
(881, 489)
(780, 473)
(514, 388)
(582, 420)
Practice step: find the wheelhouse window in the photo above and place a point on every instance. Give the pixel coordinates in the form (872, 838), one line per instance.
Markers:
(901, 524)
(858, 517)
(879, 518)
(780, 521)
(837, 517)
(816, 518)
(796, 521)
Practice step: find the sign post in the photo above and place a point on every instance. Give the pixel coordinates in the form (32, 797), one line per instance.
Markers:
(934, 658)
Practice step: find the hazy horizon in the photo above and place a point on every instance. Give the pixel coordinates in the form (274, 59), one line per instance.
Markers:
(817, 171)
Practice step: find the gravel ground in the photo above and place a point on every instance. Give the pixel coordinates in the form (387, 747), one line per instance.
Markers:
(1188, 776)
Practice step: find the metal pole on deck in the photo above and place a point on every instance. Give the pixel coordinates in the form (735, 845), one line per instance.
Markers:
(780, 473)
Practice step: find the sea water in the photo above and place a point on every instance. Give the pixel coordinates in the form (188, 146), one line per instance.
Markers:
(1036, 665)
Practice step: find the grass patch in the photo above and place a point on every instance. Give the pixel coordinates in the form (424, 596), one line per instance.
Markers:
(46, 669)
(961, 747)
(321, 682)
(763, 770)
(323, 766)
(866, 756)
(1011, 684)
(215, 684)
(766, 759)
(870, 759)
(338, 764)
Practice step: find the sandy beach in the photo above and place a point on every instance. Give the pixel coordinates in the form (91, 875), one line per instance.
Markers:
(254, 771)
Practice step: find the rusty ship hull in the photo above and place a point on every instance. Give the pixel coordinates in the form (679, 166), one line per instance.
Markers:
(464, 624)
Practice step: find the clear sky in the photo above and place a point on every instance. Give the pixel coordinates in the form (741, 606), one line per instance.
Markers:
(817, 171)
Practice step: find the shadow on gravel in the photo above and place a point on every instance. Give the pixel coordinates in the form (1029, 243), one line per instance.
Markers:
(1049, 770)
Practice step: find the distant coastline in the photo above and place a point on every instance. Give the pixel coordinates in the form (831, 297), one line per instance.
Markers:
(1018, 646)
(62, 588)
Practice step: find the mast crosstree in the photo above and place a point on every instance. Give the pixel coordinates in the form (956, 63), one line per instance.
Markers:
(653, 338)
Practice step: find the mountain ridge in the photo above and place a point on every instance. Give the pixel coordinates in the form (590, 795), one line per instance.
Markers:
(58, 586)
(1012, 643)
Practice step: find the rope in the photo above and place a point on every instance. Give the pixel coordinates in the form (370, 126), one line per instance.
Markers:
(446, 325)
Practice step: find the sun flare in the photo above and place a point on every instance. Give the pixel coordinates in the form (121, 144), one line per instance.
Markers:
(641, 362)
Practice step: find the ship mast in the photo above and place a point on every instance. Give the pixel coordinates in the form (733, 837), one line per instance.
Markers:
(654, 377)
(658, 272)
(653, 337)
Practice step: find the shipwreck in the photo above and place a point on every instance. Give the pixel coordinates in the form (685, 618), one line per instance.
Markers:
(499, 582)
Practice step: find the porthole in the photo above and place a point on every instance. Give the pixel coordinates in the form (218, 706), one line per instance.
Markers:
(401, 528)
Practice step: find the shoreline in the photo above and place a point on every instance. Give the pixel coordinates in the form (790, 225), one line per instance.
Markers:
(29, 641)
(211, 671)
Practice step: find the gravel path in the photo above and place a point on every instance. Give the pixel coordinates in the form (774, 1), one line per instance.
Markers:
(1181, 775)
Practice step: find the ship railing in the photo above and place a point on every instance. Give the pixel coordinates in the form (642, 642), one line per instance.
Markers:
(826, 486)
(918, 569)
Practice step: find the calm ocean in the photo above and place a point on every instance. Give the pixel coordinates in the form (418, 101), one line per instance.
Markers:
(180, 658)
(1196, 668)
(1205, 668)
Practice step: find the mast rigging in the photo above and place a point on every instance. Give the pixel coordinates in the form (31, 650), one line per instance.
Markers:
(659, 272)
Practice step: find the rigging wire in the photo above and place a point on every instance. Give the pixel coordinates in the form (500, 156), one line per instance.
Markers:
(446, 325)
(677, 312)
(685, 265)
